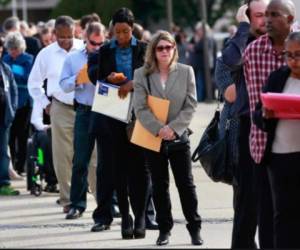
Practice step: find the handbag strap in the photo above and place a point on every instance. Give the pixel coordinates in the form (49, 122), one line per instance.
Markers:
(148, 84)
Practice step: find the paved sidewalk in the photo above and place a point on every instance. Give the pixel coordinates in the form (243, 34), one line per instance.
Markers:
(27, 221)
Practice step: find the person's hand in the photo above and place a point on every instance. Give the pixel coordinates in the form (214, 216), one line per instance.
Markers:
(166, 133)
(47, 127)
(47, 109)
(230, 93)
(125, 89)
(116, 78)
(267, 113)
(241, 15)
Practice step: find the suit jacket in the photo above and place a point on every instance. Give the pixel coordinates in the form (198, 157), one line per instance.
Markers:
(11, 95)
(106, 64)
(180, 90)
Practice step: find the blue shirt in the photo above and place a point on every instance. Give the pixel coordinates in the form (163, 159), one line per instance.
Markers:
(21, 67)
(75, 61)
(124, 57)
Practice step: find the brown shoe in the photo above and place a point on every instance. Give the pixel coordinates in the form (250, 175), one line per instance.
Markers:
(66, 209)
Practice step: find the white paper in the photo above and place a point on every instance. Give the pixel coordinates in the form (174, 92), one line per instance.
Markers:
(107, 102)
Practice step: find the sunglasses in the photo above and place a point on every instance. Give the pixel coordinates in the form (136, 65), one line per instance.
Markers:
(289, 56)
(162, 48)
(94, 43)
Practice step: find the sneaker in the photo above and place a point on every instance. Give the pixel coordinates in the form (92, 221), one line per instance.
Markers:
(8, 190)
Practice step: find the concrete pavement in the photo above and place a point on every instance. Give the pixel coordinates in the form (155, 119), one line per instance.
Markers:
(27, 221)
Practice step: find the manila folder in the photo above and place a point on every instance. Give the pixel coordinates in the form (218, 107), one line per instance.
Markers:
(140, 135)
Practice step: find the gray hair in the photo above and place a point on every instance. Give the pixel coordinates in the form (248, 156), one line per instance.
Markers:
(11, 24)
(293, 37)
(15, 40)
(95, 27)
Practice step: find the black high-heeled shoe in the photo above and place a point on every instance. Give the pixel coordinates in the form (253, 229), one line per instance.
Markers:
(163, 238)
(127, 227)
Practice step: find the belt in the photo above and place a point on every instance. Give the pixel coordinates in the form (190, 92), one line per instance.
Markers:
(65, 104)
(83, 107)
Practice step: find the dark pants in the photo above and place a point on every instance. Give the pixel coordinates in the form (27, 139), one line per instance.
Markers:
(130, 174)
(18, 137)
(244, 193)
(84, 143)
(4, 157)
(180, 162)
(42, 139)
(265, 208)
(284, 175)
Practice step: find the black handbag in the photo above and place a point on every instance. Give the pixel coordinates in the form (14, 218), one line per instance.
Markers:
(180, 143)
(212, 152)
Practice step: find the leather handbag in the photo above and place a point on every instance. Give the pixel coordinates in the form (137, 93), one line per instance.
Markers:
(212, 152)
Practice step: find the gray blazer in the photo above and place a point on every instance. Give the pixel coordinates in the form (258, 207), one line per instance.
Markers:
(180, 90)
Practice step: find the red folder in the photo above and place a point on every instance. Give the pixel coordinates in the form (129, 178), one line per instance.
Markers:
(285, 106)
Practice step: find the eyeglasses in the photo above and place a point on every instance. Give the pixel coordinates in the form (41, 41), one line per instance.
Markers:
(162, 48)
(292, 56)
(95, 43)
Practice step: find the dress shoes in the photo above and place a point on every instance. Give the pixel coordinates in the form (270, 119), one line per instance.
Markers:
(151, 225)
(74, 213)
(127, 227)
(196, 239)
(139, 231)
(163, 239)
(98, 227)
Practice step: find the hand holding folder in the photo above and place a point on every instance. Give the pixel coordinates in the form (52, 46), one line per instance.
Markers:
(141, 136)
(82, 77)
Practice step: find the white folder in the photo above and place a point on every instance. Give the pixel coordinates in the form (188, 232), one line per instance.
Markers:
(107, 102)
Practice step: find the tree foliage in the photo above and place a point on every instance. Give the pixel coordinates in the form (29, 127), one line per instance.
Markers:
(186, 12)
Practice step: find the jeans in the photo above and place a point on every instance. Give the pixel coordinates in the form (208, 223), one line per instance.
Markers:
(200, 86)
(84, 143)
(4, 157)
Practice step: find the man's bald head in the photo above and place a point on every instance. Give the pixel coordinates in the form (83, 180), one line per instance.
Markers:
(287, 6)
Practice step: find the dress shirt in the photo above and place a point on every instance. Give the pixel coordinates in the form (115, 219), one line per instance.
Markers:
(48, 65)
(84, 93)
(260, 59)
(37, 116)
(124, 57)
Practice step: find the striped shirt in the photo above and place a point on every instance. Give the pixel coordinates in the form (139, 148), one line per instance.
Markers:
(260, 59)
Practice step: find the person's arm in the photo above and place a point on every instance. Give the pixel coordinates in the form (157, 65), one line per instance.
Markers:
(183, 120)
(140, 106)
(37, 117)
(68, 76)
(13, 89)
(235, 47)
(36, 78)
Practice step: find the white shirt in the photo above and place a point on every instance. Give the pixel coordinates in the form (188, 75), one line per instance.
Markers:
(287, 136)
(48, 65)
(37, 116)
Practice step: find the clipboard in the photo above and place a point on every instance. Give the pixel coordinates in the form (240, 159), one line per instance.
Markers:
(285, 106)
(107, 102)
(140, 135)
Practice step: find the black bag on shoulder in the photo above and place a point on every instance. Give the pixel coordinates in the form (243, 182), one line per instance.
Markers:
(212, 152)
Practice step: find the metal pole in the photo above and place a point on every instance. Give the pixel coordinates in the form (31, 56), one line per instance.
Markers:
(207, 76)
(24, 10)
(170, 14)
(14, 8)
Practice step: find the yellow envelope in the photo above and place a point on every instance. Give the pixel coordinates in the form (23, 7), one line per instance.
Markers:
(140, 135)
(83, 77)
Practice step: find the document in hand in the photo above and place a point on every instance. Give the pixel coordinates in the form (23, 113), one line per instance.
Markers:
(285, 106)
(82, 76)
(140, 135)
(107, 102)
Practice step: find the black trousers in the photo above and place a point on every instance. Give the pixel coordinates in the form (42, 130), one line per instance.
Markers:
(284, 175)
(42, 139)
(244, 193)
(180, 162)
(19, 133)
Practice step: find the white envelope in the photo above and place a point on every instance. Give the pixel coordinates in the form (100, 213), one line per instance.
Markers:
(107, 102)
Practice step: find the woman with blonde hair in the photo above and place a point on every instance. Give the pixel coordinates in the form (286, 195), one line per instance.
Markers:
(163, 77)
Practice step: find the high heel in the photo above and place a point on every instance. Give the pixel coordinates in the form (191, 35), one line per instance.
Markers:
(127, 227)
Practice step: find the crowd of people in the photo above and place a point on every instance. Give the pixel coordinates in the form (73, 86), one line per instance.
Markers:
(49, 74)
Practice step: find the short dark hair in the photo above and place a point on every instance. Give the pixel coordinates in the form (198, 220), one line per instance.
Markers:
(84, 20)
(123, 15)
(95, 27)
(11, 23)
(66, 21)
(294, 36)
